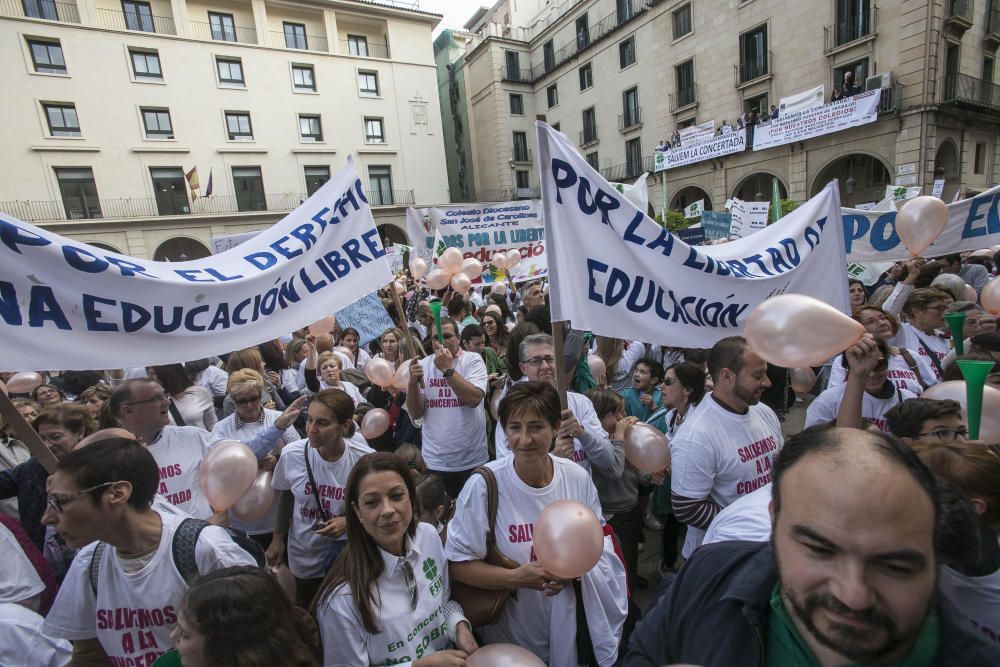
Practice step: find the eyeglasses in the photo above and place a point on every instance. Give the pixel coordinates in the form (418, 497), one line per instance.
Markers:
(536, 362)
(247, 401)
(668, 382)
(58, 504)
(153, 399)
(960, 433)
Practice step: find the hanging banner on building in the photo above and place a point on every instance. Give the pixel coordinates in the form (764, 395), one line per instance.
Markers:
(699, 132)
(481, 230)
(65, 305)
(716, 224)
(749, 217)
(712, 147)
(807, 99)
(368, 316)
(833, 117)
(617, 273)
(973, 224)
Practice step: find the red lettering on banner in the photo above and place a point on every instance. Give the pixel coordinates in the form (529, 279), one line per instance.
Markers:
(126, 618)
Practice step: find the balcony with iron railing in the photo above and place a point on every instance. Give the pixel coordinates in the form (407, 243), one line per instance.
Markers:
(970, 92)
(958, 15)
(748, 71)
(390, 197)
(65, 12)
(527, 193)
(364, 49)
(521, 154)
(629, 169)
(298, 42)
(630, 120)
(239, 34)
(991, 39)
(496, 194)
(850, 29)
(683, 98)
(516, 74)
(114, 19)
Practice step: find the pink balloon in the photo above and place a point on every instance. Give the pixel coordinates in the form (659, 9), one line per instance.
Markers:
(503, 655)
(920, 221)
(375, 423)
(438, 279)
(401, 379)
(226, 473)
(323, 326)
(24, 383)
(418, 267)
(568, 539)
(803, 379)
(495, 404)
(460, 283)
(646, 448)
(794, 330)
(451, 260)
(989, 423)
(513, 258)
(990, 297)
(598, 369)
(380, 372)
(499, 260)
(472, 267)
(257, 501)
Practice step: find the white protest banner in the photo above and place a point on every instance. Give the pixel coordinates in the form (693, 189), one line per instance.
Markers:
(749, 217)
(711, 147)
(901, 192)
(420, 229)
(66, 305)
(717, 225)
(807, 99)
(617, 273)
(637, 193)
(220, 244)
(697, 132)
(694, 209)
(973, 224)
(482, 230)
(938, 188)
(395, 254)
(368, 315)
(833, 117)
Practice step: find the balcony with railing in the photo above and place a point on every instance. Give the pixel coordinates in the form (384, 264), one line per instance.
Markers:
(366, 49)
(217, 33)
(683, 98)
(630, 120)
(970, 92)
(299, 42)
(991, 40)
(850, 29)
(628, 170)
(516, 74)
(889, 101)
(66, 12)
(748, 71)
(496, 194)
(115, 19)
(390, 197)
(522, 154)
(958, 16)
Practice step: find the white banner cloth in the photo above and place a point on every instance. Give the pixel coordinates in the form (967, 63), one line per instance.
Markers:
(712, 147)
(817, 121)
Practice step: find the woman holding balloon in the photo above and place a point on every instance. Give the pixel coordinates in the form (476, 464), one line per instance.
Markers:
(388, 391)
(543, 616)
(924, 311)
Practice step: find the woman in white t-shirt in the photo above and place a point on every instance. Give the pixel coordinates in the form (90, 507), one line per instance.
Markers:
(329, 370)
(350, 339)
(542, 618)
(312, 474)
(191, 401)
(923, 309)
(387, 599)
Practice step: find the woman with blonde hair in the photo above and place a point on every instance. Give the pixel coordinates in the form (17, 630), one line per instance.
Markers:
(329, 369)
(250, 358)
(619, 358)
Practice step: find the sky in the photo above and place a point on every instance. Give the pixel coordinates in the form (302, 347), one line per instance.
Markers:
(456, 12)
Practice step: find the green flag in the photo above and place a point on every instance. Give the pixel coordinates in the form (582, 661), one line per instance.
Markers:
(775, 200)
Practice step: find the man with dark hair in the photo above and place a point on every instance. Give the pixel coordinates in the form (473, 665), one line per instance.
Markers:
(976, 275)
(458, 310)
(473, 338)
(121, 594)
(926, 418)
(849, 577)
(724, 450)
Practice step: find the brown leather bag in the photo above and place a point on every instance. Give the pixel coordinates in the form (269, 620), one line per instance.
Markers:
(482, 606)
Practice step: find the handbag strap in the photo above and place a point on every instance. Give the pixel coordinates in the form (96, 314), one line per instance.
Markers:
(912, 363)
(176, 414)
(930, 353)
(312, 480)
(492, 501)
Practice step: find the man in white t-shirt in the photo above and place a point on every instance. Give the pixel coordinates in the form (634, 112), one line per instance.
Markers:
(103, 492)
(451, 407)
(726, 448)
(142, 407)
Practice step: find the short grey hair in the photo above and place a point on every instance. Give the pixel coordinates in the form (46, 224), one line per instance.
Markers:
(533, 339)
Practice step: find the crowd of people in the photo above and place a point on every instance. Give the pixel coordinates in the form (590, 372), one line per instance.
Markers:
(870, 537)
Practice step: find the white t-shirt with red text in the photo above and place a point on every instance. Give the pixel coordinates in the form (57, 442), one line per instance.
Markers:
(178, 451)
(824, 409)
(454, 435)
(899, 372)
(132, 614)
(721, 455)
(926, 345)
(306, 549)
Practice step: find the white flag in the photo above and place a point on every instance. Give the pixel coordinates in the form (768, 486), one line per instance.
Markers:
(695, 209)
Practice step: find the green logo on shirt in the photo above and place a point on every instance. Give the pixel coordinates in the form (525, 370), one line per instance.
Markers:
(430, 569)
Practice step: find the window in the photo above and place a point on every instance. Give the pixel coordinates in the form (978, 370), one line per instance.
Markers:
(230, 71)
(310, 128)
(374, 131)
(756, 103)
(47, 57)
(556, 126)
(681, 20)
(295, 35)
(523, 179)
(79, 192)
(979, 163)
(223, 27)
(516, 104)
(62, 119)
(633, 157)
(626, 52)
(512, 59)
(858, 70)
(170, 190)
(238, 126)
(368, 83)
(521, 147)
(853, 20)
(249, 186)
(624, 10)
(40, 9)
(315, 178)
(988, 67)
(586, 77)
(684, 79)
(589, 125)
(753, 54)
(552, 95)
(156, 122)
(303, 77)
(582, 32)
(549, 56)
(146, 64)
(592, 160)
(138, 15)
(357, 45)
(630, 108)
(380, 181)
